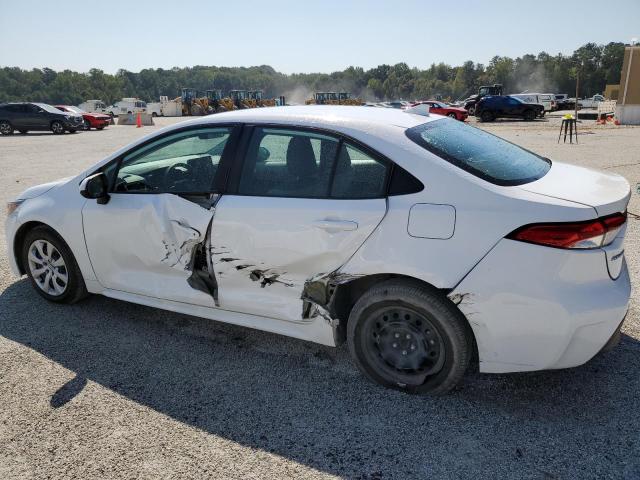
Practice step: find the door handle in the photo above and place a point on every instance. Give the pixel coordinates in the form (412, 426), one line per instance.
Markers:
(333, 226)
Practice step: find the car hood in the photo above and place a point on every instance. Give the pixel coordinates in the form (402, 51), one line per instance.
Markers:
(607, 193)
(38, 190)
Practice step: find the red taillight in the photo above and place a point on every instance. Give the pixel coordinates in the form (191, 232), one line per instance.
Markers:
(591, 234)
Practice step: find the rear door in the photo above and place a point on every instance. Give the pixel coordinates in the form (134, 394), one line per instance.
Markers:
(301, 203)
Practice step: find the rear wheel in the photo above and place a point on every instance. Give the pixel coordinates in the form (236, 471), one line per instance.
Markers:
(87, 124)
(487, 116)
(5, 128)
(51, 267)
(529, 115)
(409, 337)
(472, 110)
(57, 128)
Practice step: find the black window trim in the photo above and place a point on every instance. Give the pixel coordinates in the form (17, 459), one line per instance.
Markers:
(235, 128)
(240, 157)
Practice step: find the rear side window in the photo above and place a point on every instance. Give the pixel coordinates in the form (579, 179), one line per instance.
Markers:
(288, 163)
(358, 175)
(480, 153)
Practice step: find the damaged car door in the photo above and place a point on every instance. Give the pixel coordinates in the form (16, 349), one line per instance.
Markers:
(299, 206)
(149, 235)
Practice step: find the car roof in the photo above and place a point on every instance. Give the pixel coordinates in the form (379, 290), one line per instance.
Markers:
(325, 116)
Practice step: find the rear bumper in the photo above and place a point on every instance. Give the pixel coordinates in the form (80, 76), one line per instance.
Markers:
(537, 308)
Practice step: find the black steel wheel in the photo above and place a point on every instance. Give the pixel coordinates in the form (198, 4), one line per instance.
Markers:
(409, 337)
(403, 343)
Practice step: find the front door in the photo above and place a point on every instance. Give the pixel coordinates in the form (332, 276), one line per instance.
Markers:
(146, 239)
(303, 203)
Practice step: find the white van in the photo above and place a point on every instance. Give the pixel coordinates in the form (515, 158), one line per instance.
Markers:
(548, 100)
(127, 105)
(93, 106)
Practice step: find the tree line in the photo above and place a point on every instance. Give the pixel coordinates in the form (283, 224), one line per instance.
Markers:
(597, 66)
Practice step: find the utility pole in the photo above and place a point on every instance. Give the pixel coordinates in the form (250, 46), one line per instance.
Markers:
(577, 88)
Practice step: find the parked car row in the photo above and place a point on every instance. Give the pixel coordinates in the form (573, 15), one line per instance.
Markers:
(33, 116)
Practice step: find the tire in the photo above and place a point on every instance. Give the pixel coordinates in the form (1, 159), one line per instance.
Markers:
(87, 125)
(23, 132)
(57, 128)
(472, 110)
(154, 114)
(6, 128)
(53, 287)
(434, 345)
(487, 116)
(529, 115)
(452, 115)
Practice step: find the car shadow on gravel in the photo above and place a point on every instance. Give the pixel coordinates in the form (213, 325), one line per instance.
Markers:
(307, 403)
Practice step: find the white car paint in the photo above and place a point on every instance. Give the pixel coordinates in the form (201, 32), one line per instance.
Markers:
(530, 307)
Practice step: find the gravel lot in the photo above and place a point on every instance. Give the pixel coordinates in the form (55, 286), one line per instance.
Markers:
(106, 389)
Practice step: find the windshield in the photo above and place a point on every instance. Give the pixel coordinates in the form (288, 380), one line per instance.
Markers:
(47, 108)
(480, 153)
(75, 110)
(518, 99)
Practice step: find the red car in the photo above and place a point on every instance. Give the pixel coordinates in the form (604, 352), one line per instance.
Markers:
(444, 109)
(91, 120)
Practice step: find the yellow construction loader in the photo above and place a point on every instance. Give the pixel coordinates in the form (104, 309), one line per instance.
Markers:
(333, 98)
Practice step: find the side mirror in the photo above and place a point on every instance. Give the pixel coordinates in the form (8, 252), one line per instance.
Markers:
(95, 186)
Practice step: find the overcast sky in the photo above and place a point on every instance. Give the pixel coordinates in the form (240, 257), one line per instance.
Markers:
(299, 36)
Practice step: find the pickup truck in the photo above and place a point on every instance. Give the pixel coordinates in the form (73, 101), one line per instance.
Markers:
(590, 102)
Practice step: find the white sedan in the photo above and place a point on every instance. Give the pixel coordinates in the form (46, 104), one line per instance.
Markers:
(420, 241)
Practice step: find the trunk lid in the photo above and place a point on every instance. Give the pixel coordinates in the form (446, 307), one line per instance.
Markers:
(607, 193)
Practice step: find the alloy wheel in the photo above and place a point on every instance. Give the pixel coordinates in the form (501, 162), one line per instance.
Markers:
(48, 268)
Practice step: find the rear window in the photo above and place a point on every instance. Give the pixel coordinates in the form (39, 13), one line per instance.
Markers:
(480, 153)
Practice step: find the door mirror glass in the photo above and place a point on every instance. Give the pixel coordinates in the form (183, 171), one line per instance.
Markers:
(95, 186)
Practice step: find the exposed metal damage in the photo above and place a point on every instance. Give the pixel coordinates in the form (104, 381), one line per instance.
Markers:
(203, 276)
(318, 295)
(187, 247)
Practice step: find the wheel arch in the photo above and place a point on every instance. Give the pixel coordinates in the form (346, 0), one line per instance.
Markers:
(18, 240)
(345, 295)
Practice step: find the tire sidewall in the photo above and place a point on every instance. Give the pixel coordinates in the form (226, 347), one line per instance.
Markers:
(57, 131)
(443, 315)
(75, 287)
(11, 129)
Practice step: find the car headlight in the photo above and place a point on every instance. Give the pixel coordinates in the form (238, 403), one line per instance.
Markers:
(13, 206)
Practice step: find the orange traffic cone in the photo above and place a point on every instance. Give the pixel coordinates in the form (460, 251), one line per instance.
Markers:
(138, 120)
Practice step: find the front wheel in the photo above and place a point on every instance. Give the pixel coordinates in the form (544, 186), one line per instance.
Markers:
(486, 116)
(5, 128)
(529, 115)
(409, 337)
(452, 115)
(51, 267)
(57, 128)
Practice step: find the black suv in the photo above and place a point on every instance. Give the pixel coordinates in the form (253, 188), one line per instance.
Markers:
(37, 116)
(504, 106)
